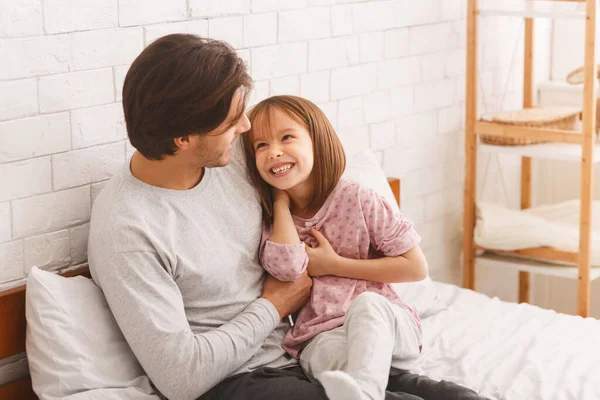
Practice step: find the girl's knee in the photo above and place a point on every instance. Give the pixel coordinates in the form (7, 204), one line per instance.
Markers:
(369, 301)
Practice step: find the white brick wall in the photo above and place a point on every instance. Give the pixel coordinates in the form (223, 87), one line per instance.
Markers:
(305, 24)
(350, 113)
(363, 78)
(285, 85)
(212, 8)
(153, 32)
(33, 56)
(20, 18)
(12, 260)
(388, 73)
(333, 53)
(105, 47)
(278, 60)
(50, 212)
(97, 125)
(139, 12)
(76, 90)
(35, 136)
(5, 228)
(260, 29)
(341, 20)
(50, 251)
(93, 164)
(230, 30)
(18, 99)
(73, 15)
(315, 86)
(25, 178)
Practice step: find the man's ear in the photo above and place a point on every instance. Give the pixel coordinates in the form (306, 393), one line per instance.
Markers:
(183, 142)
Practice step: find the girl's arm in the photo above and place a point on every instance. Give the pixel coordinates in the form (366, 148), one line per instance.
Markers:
(283, 230)
(282, 253)
(408, 267)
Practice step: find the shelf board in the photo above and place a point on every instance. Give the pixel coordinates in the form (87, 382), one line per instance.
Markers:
(533, 9)
(552, 151)
(533, 266)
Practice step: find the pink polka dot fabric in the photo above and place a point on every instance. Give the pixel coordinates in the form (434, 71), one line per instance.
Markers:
(359, 224)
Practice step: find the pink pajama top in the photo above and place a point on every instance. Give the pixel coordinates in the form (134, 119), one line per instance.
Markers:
(359, 224)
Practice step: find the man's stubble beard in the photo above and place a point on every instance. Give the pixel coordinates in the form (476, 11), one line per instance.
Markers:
(208, 160)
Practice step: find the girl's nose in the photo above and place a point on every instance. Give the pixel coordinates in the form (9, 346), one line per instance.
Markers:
(275, 152)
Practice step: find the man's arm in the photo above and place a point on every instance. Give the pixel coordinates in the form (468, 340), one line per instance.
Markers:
(149, 310)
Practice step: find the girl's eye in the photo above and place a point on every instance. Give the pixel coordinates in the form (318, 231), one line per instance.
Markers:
(287, 137)
(258, 146)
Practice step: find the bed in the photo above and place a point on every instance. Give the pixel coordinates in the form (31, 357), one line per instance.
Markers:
(510, 351)
(502, 350)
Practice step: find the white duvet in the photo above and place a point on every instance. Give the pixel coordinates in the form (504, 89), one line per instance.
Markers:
(555, 225)
(510, 351)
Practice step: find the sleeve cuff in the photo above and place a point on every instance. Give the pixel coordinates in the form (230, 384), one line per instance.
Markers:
(399, 246)
(268, 309)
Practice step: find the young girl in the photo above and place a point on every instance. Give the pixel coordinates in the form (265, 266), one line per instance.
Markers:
(348, 238)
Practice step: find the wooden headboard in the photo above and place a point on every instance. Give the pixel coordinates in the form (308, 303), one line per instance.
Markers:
(395, 185)
(12, 321)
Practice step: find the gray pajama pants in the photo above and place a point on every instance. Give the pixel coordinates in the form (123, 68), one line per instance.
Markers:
(376, 335)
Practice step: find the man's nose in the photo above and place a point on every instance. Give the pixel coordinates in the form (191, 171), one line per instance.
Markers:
(244, 125)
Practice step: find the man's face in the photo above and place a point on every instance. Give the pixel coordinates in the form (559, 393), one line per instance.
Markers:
(214, 148)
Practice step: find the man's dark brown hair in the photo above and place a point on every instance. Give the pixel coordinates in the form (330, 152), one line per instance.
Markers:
(181, 85)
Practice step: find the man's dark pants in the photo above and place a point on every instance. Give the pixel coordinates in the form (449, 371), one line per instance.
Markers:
(292, 384)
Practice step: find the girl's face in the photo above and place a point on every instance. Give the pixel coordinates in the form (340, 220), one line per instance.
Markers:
(284, 151)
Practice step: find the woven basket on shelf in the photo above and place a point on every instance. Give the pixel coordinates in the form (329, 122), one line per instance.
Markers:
(575, 77)
(547, 117)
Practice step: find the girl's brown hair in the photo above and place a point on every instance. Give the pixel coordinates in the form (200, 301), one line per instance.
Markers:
(329, 157)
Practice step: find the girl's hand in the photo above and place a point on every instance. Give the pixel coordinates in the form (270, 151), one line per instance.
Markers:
(281, 197)
(322, 260)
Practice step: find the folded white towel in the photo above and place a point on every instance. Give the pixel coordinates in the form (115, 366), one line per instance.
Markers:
(555, 225)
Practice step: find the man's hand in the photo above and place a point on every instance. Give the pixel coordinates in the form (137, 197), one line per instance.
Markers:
(322, 260)
(287, 297)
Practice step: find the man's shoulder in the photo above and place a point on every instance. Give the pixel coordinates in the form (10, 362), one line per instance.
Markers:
(118, 210)
(118, 197)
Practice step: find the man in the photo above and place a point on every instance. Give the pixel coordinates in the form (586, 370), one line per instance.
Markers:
(174, 238)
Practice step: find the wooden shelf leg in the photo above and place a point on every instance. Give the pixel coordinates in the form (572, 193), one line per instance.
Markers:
(526, 164)
(587, 161)
(523, 287)
(470, 149)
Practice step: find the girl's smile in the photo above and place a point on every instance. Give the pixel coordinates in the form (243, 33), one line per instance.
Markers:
(281, 169)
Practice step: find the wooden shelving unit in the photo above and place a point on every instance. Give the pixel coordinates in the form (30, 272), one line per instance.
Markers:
(564, 145)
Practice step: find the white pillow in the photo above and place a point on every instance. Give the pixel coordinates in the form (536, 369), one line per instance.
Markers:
(364, 169)
(74, 344)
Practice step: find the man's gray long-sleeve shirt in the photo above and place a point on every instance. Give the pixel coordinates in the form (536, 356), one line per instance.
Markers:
(180, 272)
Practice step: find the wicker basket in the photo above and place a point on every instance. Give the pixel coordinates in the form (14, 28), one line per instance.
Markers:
(547, 117)
(575, 77)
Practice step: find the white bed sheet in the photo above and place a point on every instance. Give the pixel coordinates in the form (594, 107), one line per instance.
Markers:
(510, 351)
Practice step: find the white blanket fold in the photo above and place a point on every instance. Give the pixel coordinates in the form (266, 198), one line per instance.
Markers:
(555, 225)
